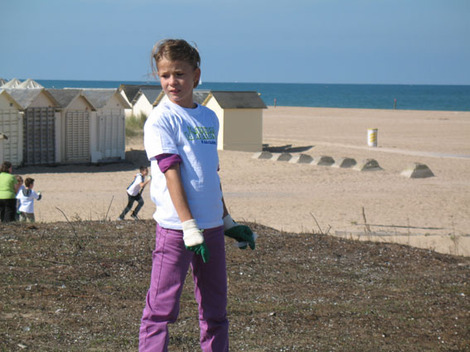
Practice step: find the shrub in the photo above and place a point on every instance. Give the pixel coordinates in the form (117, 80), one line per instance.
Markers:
(135, 124)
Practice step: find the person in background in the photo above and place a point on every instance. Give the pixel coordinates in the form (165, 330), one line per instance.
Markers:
(8, 189)
(26, 196)
(180, 139)
(134, 193)
(20, 181)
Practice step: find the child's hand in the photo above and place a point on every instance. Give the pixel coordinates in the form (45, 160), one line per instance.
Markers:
(202, 250)
(194, 240)
(241, 233)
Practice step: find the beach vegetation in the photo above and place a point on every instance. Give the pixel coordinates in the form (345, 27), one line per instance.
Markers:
(135, 125)
(81, 285)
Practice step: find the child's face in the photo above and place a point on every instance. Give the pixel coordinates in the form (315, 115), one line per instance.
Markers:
(178, 78)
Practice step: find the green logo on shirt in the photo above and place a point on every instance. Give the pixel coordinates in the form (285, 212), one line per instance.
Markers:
(200, 133)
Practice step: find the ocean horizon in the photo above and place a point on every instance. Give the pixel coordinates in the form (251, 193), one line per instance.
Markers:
(355, 96)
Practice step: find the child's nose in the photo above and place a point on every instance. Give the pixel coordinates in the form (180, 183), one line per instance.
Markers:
(172, 80)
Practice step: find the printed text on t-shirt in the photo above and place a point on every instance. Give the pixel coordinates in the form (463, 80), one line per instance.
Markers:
(200, 133)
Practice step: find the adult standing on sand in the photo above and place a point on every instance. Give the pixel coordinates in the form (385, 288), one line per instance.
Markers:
(8, 189)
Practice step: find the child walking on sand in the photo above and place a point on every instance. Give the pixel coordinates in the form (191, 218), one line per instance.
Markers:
(180, 139)
(134, 193)
(26, 196)
(20, 184)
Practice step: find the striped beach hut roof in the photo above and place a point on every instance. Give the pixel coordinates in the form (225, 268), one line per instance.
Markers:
(199, 95)
(99, 97)
(237, 100)
(131, 90)
(151, 93)
(25, 97)
(10, 98)
(65, 97)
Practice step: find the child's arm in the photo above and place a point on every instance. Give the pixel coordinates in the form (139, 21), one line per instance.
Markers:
(144, 182)
(177, 193)
(36, 195)
(192, 235)
(241, 233)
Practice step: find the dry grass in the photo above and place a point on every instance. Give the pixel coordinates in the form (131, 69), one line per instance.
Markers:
(80, 286)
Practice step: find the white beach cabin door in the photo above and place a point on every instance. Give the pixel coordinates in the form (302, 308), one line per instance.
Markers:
(111, 133)
(11, 126)
(77, 136)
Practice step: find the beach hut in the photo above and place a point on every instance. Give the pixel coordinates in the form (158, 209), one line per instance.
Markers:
(75, 125)
(11, 126)
(107, 139)
(144, 101)
(3, 137)
(241, 119)
(39, 125)
(132, 93)
(200, 96)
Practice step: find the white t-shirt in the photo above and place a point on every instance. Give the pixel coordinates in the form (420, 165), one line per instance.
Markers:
(134, 187)
(26, 198)
(192, 134)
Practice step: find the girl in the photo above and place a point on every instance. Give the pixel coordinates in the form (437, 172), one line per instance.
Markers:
(180, 139)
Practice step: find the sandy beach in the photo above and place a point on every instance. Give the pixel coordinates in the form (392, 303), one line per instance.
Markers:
(381, 205)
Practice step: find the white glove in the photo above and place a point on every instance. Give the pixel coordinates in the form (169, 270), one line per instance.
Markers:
(241, 233)
(192, 235)
(228, 222)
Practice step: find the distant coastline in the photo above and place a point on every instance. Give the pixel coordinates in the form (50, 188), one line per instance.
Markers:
(356, 96)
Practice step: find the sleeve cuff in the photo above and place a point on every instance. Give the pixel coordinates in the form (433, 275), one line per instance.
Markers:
(165, 161)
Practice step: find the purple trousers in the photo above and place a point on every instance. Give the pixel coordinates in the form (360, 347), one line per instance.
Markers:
(170, 264)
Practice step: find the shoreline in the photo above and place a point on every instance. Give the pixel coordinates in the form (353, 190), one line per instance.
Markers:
(269, 106)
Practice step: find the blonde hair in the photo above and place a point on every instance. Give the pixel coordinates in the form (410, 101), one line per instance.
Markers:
(174, 50)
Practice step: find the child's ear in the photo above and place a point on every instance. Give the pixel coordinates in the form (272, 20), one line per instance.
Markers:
(197, 77)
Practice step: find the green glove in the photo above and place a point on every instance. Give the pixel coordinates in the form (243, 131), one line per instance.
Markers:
(194, 241)
(202, 250)
(241, 233)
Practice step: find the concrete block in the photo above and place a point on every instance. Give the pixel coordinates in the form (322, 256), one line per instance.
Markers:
(262, 155)
(301, 159)
(417, 170)
(368, 165)
(345, 163)
(323, 160)
(281, 156)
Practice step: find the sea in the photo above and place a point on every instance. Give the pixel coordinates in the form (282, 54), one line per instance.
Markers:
(355, 96)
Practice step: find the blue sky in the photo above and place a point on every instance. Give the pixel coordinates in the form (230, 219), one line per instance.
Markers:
(296, 41)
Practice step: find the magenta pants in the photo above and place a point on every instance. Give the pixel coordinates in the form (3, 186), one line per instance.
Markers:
(170, 264)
